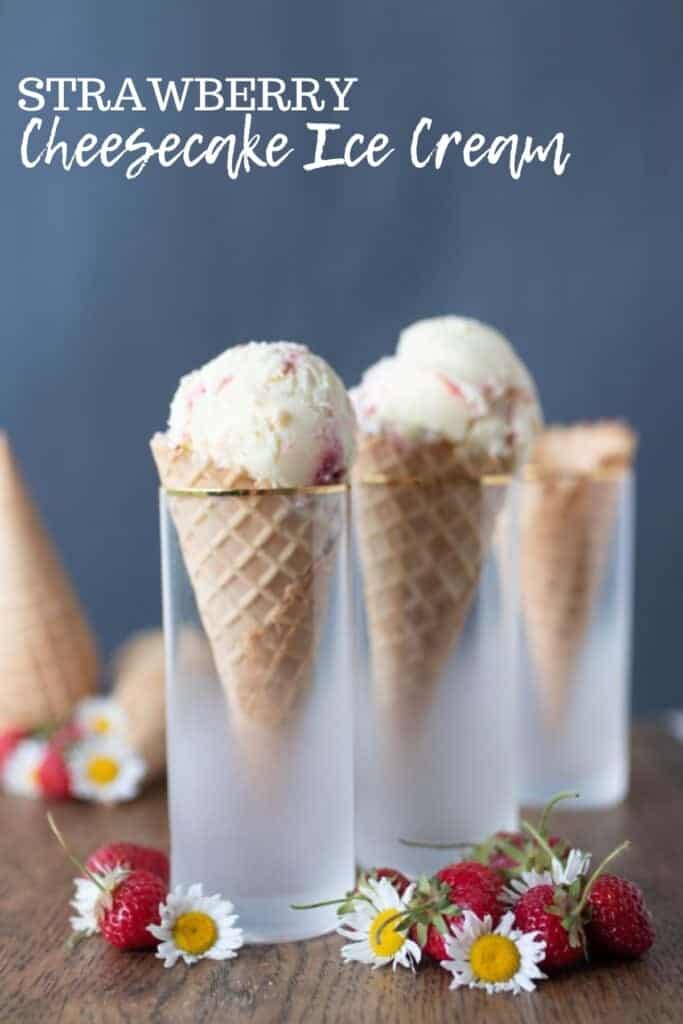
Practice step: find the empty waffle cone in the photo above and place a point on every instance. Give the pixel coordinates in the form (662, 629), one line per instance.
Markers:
(139, 678)
(568, 515)
(48, 656)
(259, 567)
(423, 543)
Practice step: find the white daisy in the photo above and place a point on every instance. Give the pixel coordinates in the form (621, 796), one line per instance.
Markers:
(20, 773)
(101, 716)
(105, 770)
(503, 959)
(92, 897)
(194, 927)
(575, 866)
(373, 927)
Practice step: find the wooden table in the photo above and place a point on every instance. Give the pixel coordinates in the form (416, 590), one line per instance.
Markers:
(306, 982)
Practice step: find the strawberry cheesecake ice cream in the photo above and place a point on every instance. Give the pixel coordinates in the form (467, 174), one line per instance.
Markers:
(273, 410)
(456, 380)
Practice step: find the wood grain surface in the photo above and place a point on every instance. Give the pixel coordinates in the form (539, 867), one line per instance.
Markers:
(306, 982)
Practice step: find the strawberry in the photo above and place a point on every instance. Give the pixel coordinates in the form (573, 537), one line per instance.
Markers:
(53, 774)
(399, 881)
(560, 912)
(440, 901)
(129, 908)
(512, 853)
(500, 852)
(493, 851)
(118, 902)
(67, 734)
(466, 870)
(550, 912)
(129, 855)
(620, 923)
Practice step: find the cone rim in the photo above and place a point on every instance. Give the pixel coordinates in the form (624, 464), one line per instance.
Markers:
(533, 473)
(246, 492)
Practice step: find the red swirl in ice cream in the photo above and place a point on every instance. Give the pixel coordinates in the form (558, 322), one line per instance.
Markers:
(452, 379)
(273, 410)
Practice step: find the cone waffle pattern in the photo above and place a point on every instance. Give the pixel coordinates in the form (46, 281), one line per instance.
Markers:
(422, 546)
(566, 530)
(259, 565)
(48, 656)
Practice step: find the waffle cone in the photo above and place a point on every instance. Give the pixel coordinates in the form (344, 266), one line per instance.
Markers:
(568, 516)
(259, 568)
(139, 678)
(48, 656)
(423, 543)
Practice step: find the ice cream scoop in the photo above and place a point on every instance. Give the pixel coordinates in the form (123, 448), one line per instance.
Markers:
(452, 379)
(272, 410)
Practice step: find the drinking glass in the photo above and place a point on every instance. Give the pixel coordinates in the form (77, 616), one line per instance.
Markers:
(576, 574)
(436, 701)
(259, 646)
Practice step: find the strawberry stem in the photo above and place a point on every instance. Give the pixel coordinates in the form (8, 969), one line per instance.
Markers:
(542, 842)
(390, 920)
(328, 903)
(436, 846)
(407, 913)
(513, 852)
(566, 794)
(81, 867)
(74, 940)
(598, 871)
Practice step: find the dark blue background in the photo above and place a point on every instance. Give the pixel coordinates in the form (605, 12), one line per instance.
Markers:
(112, 289)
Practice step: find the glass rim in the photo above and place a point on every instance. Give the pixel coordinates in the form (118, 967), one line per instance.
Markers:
(527, 474)
(245, 492)
(381, 480)
(532, 474)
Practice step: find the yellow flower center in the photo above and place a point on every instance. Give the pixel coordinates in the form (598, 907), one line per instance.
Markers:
(101, 724)
(102, 770)
(34, 778)
(494, 958)
(385, 940)
(195, 932)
